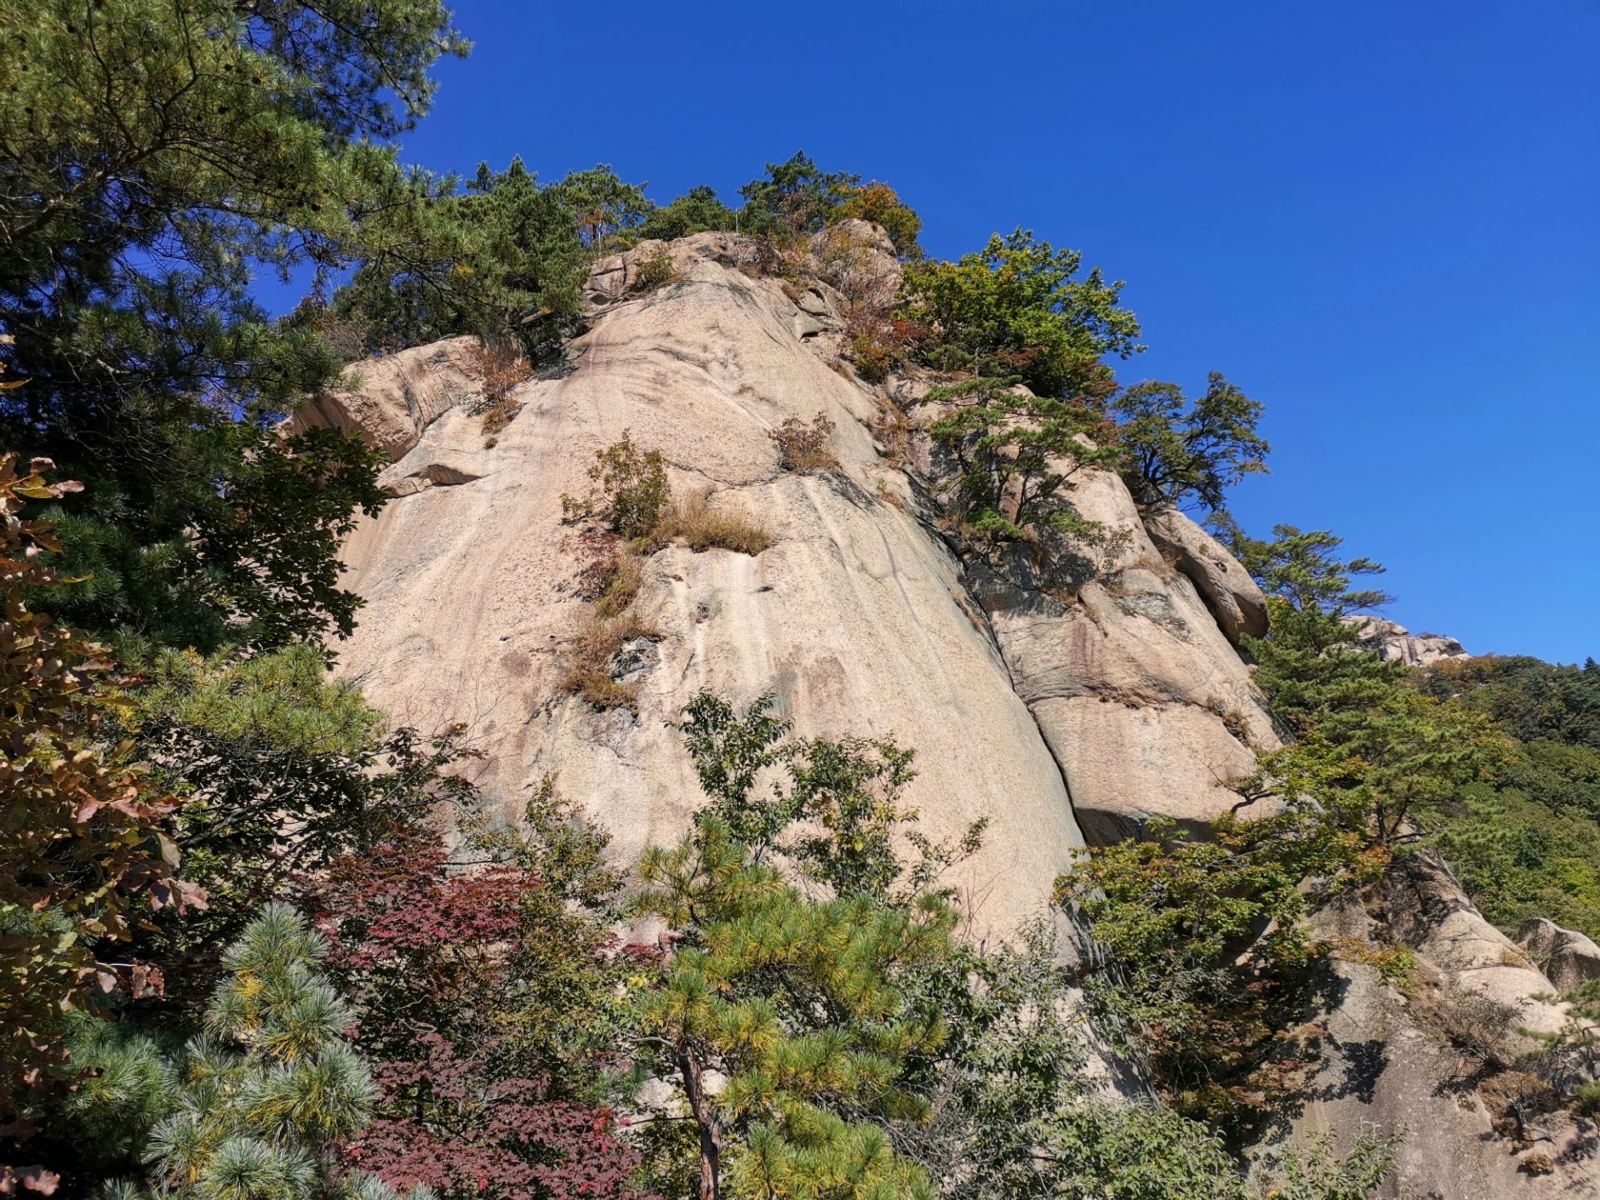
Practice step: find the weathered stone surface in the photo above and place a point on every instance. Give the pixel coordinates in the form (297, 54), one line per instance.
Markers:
(1431, 912)
(1117, 685)
(1389, 1061)
(1144, 703)
(1394, 644)
(394, 397)
(1232, 596)
(856, 617)
(1568, 957)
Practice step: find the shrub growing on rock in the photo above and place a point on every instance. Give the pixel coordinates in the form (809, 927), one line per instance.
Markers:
(630, 491)
(1018, 308)
(655, 271)
(1190, 981)
(1179, 452)
(881, 204)
(804, 448)
(1014, 455)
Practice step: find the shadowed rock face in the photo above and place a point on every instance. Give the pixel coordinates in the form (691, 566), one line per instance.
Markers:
(1568, 957)
(1060, 711)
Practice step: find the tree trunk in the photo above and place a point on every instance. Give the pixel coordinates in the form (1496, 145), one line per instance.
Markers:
(706, 1119)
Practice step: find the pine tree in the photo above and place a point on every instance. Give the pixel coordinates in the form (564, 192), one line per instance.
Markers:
(1371, 752)
(1178, 452)
(268, 1091)
(153, 157)
(795, 1004)
(805, 1008)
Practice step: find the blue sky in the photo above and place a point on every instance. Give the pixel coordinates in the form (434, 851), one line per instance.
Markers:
(1380, 219)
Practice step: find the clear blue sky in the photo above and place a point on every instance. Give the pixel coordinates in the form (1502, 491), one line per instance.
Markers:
(1378, 218)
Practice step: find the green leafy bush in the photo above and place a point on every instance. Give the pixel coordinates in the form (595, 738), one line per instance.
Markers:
(1018, 308)
(881, 204)
(1015, 455)
(655, 271)
(1178, 451)
(630, 492)
(1210, 970)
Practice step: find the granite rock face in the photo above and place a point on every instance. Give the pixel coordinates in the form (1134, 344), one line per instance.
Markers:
(857, 618)
(1232, 596)
(1062, 706)
(1569, 958)
(389, 401)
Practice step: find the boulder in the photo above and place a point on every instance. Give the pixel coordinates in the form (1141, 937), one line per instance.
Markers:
(388, 400)
(1393, 643)
(1568, 957)
(1226, 587)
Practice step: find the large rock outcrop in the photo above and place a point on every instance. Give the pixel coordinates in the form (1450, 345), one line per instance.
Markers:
(857, 618)
(1394, 643)
(1058, 710)
(1232, 596)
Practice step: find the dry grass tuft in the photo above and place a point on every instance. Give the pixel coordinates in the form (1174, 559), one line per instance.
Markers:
(590, 661)
(803, 447)
(501, 367)
(695, 523)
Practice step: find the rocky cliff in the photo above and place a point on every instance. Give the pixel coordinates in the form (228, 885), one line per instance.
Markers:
(1063, 714)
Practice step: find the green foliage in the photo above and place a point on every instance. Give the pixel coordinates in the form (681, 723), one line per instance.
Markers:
(607, 211)
(144, 154)
(1375, 754)
(630, 493)
(83, 847)
(1019, 1112)
(124, 1084)
(1535, 701)
(1018, 308)
(283, 699)
(814, 1009)
(796, 197)
(845, 795)
(881, 204)
(1180, 452)
(1300, 569)
(503, 256)
(257, 563)
(1015, 454)
(1209, 967)
(1522, 842)
(263, 1099)
(280, 773)
(796, 1003)
(655, 272)
(1016, 1111)
(696, 211)
(1311, 1170)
